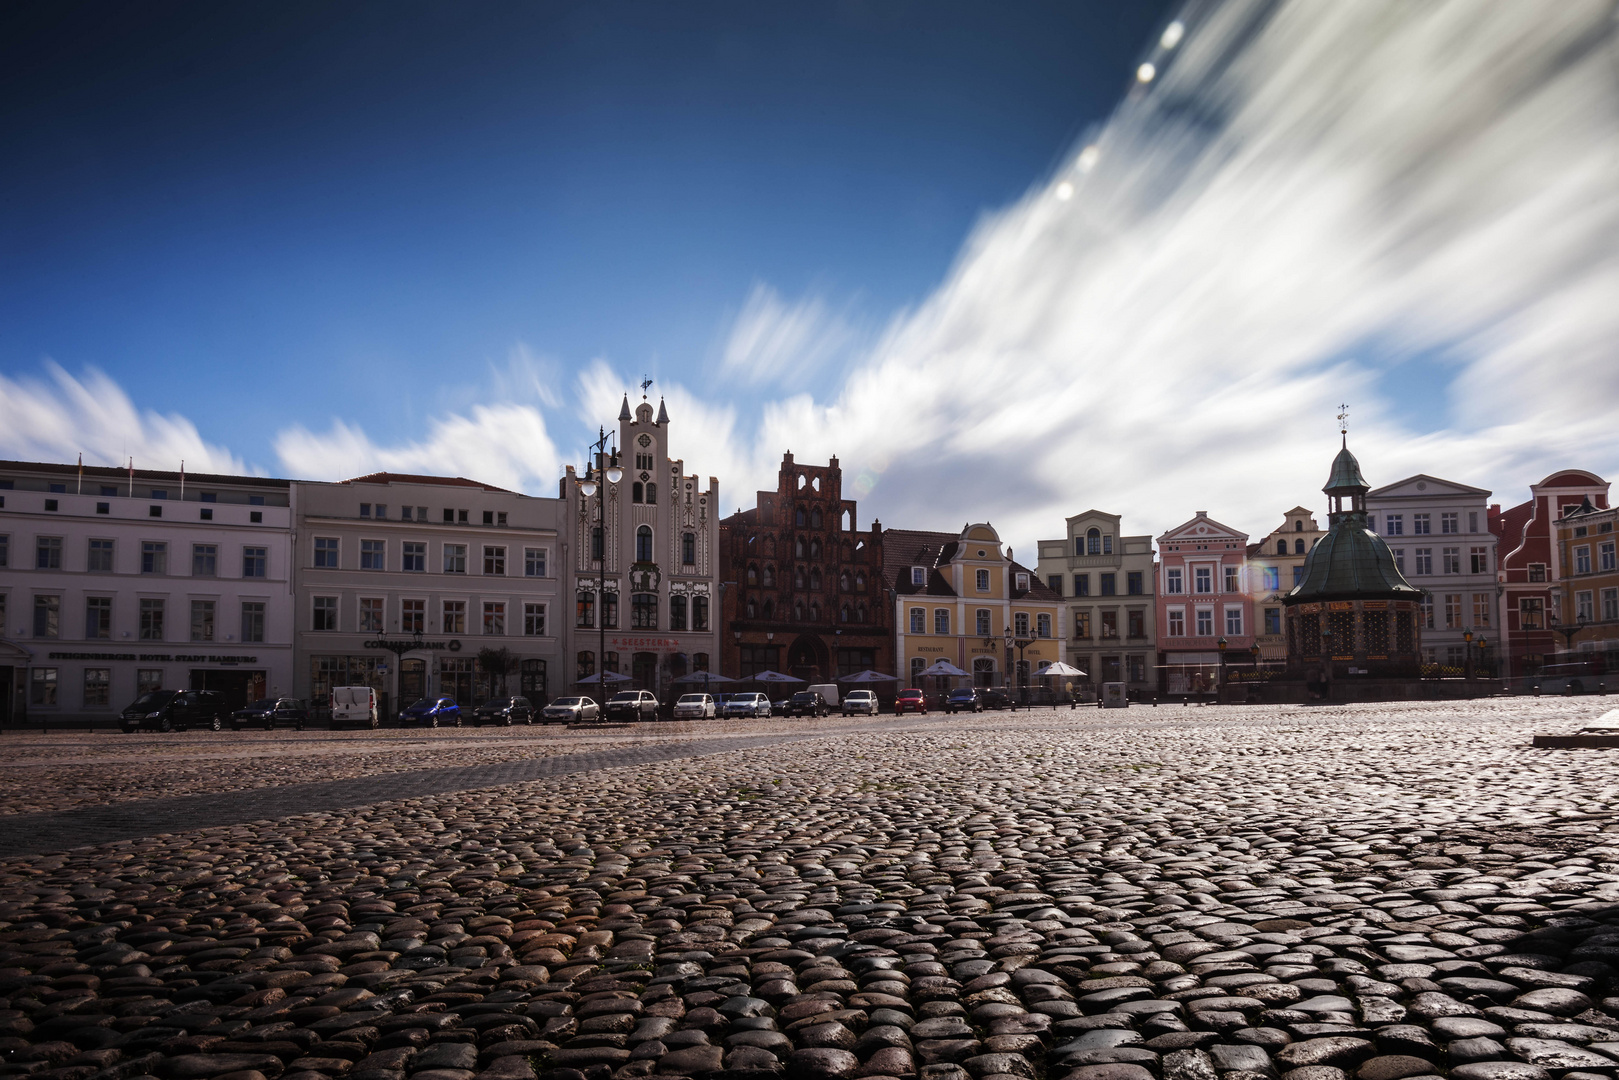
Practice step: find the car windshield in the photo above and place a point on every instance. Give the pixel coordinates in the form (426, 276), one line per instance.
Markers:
(566, 701)
(693, 699)
(804, 695)
(289, 703)
(153, 699)
(264, 704)
(627, 695)
(961, 693)
(910, 693)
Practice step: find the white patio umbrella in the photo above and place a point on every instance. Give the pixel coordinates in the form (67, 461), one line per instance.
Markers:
(869, 676)
(943, 667)
(606, 676)
(772, 677)
(1059, 668)
(704, 677)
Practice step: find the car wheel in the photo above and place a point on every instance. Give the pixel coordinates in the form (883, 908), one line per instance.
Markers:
(215, 725)
(432, 722)
(457, 719)
(376, 722)
(165, 724)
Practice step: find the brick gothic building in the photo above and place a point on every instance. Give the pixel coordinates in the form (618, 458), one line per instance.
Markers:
(803, 590)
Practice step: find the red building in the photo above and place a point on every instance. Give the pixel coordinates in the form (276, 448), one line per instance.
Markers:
(1203, 601)
(1529, 566)
(802, 586)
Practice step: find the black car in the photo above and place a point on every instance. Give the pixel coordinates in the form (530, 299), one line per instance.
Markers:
(966, 698)
(807, 703)
(269, 712)
(632, 705)
(176, 710)
(505, 711)
(993, 697)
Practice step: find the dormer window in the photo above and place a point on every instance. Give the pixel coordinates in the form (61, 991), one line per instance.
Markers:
(919, 575)
(1023, 582)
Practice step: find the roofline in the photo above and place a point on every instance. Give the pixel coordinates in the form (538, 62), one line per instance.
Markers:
(108, 472)
(1463, 489)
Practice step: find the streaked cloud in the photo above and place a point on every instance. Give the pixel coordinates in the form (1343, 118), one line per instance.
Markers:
(779, 344)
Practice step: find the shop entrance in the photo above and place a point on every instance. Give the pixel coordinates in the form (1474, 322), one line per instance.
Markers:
(239, 687)
(412, 681)
(644, 670)
(455, 678)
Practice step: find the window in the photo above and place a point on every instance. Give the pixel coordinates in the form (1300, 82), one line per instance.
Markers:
(1531, 611)
(644, 611)
(1133, 583)
(373, 554)
(255, 516)
(610, 615)
(1448, 523)
(1054, 583)
(1399, 559)
(1453, 611)
(677, 613)
(365, 510)
(1610, 606)
(97, 618)
(1093, 542)
(326, 552)
(1172, 582)
(941, 620)
(1233, 620)
(1281, 547)
(5, 549)
(1583, 607)
(1582, 559)
(455, 558)
(643, 544)
(255, 500)
(1023, 582)
(42, 686)
(1273, 620)
(981, 581)
(1273, 578)
(919, 574)
(981, 622)
(253, 621)
(47, 616)
(1481, 609)
(154, 557)
(413, 616)
(488, 517)
(1204, 577)
(533, 620)
(494, 561)
(1426, 608)
(1605, 556)
(1020, 624)
(1231, 578)
(151, 511)
(1110, 624)
(1421, 525)
(494, 618)
(1137, 624)
(584, 609)
(1205, 622)
(1298, 547)
(151, 624)
(449, 516)
(917, 667)
(97, 687)
(1452, 560)
(688, 549)
(534, 562)
(919, 620)
(1537, 571)
(1424, 561)
(1394, 525)
(413, 557)
(585, 665)
(324, 613)
(99, 559)
(371, 614)
(1177, 622)
(699, 617)
(1109, 584)
(454, 617)
(204, 560)
(202, 620)
(1082, 584)
(48, 553)
(1480, 560)
(1107, 545)
(1082, 624)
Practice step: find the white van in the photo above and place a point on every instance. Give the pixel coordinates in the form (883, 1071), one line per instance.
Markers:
(828, 692)
(354, 706)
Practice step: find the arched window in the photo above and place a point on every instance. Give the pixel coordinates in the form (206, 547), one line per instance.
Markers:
(798, 611)
(802, 480)
(860, 613)
(635, 492)
(652, 493)
(798, 517)
(798, 547)
(815, 548)
(815, 518)
(847, 522)
(815, 580)
(843, 584)
(643, 544)
(1281, 547)
(753, 574)
(688, 548)
(843, 613)
(770, 576)
(1298, 526)
(860, 582)
(770, 608)
(1093, 542)
(751, 608)
(815, 613)
(798, 578)
(1298, 546)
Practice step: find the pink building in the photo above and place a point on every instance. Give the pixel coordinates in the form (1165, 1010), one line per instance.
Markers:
(1202, 600)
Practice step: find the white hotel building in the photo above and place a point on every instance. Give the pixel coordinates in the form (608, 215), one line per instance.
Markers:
(113, 583)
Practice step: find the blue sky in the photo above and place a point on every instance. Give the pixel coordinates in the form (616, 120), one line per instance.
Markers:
(977, 251)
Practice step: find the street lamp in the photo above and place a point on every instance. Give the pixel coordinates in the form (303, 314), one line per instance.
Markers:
(1220, 686)
(1326, 657)
(589, 486)
(1021, 643)
(1467, 651)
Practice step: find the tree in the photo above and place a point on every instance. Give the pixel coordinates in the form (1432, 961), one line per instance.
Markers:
(498, 663)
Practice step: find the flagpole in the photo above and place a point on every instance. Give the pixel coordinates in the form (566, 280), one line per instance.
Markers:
(81, 473)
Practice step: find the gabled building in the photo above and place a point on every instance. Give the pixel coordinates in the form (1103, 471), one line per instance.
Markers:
(961, 597)
(1587, 594)
(1275, 565)
(1439, 532)
(1106, 582)
(1530, 563)
(803, 585)
(1202, 601)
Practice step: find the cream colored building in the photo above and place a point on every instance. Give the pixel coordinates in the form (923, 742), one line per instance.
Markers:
(1105, 580)
(1275, 565)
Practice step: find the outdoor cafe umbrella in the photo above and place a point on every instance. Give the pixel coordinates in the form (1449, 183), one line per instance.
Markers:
(772, 677)
(606, 676)
(1059, 668)
(704, 677)
(943, 667)
(869, 676)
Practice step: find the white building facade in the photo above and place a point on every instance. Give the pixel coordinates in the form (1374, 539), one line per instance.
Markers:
(1439, 531)
(113, 583)
(644, 582)
(1106, 581)
(403, 580)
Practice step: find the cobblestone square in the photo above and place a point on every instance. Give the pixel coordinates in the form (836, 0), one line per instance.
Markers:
(1236, 893)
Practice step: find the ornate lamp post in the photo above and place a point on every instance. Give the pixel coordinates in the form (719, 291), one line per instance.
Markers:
(1021, 643)
(1219, 690)
(1467, 651)
(399, 647)
(591, 485)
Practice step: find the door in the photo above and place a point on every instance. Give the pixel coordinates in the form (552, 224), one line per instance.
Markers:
(412, 681)
(7, 693)
(644, 670)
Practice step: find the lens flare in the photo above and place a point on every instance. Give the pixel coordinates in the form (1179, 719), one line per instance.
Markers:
(1173, 34)
(1146, 73)
(1065, 191)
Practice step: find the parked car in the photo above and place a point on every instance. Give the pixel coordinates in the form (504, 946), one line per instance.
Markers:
(176, 710)
(807, 703)
(754, 705)
(505, 711)
(829, 693)
(994, 697)
(354, 706)
(696, 707)
(432, 712)
(860, 701)
(965, 699)
(570, 710)
(911, 700)
(632, 705)
(272, 711)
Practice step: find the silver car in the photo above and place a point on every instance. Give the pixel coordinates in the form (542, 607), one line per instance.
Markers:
(860, 701)
(755, 705)
(570, 710)
(695, 707)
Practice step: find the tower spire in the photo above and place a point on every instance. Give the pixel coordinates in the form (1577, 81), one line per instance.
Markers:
(1343, 425)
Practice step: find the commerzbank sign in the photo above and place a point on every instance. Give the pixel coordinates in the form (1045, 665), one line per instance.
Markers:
(454, 645)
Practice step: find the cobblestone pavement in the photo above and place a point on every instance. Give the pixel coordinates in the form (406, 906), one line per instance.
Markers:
(1231, 894)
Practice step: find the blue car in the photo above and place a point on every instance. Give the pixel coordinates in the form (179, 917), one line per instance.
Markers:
(431, 712)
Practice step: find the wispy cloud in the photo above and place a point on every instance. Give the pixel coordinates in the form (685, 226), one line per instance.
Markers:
(62, 416)
(780, 344)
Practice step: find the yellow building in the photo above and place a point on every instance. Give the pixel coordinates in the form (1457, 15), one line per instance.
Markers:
(962, 598)
(1275, 565)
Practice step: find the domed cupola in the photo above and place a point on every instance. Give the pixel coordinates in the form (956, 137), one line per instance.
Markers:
(1351, 562)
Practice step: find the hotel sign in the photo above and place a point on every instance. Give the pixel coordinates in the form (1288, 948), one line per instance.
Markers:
(156, 658)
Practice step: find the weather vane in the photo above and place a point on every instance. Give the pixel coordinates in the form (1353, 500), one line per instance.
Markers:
(1343, 422)
(646, 384)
